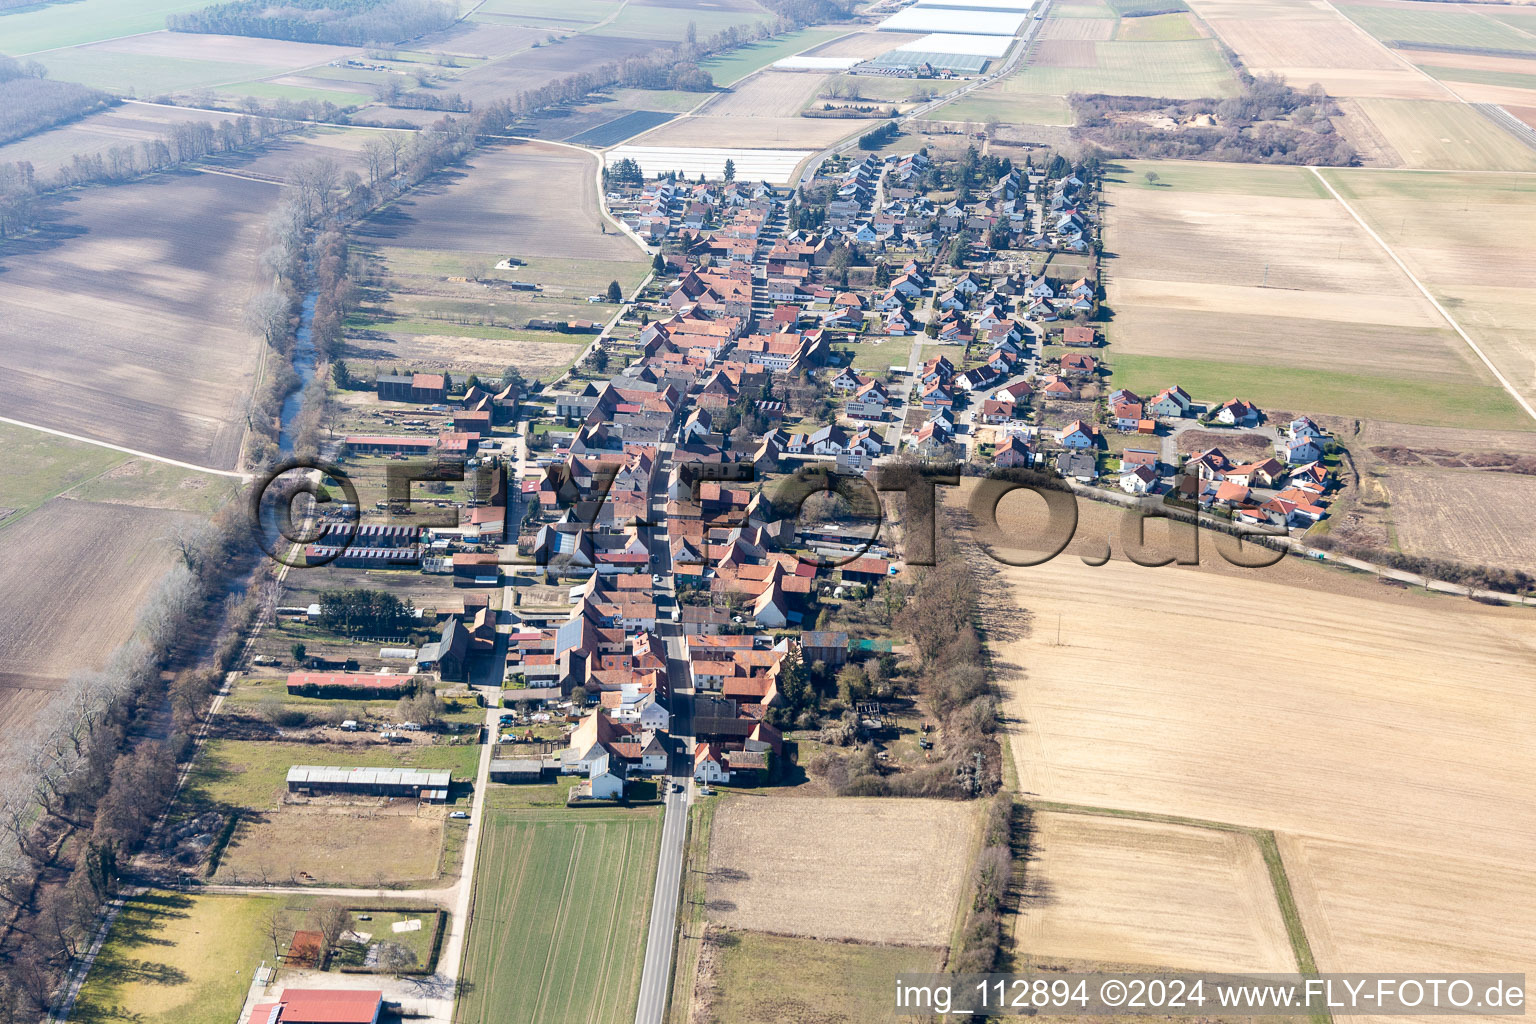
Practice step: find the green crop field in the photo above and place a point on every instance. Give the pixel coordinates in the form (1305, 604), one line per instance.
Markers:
(277, 91)
(580, 11)
(1441, 403)
(1157, 28)
(48, 27)
(732, 67)
(834, 981)
(670, 23)
(1219, 179)
(1132, 8)
(1181, 69)
(1002, 101)
(144, 74)
(562, 901)
(1433, 27)
(1477, 76)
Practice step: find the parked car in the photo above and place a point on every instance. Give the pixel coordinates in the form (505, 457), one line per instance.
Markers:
(460, 815)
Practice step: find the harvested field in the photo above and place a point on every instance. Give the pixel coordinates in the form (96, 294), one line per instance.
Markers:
(615, 130)
(766, 94)
(1467, 237)
(1137, 892)
(73, 575)
(1447, 136)
(158, 274)
(862, 44)
(1312, 43)
(766, 877)
(499, 79)
(1189, 283)
(1404, 739)
(1064, 53)
(336, 845)
(1465, 516)
(797, 133)
(1063, 29)
(501, 198)
(1366, 908)
(126, 125)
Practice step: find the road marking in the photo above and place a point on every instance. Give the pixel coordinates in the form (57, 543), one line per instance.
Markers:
(1503, 381)
(233, 474)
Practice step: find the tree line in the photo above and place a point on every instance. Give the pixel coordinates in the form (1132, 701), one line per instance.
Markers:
(21, 187)
(83, 785)
(343, 22)
(30, 102)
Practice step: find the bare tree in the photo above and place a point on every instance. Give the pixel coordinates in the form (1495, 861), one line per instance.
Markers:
(274, 926)
(332, 920)
(267, 315)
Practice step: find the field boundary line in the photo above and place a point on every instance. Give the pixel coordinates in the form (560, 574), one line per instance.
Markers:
(231, 473)
(1455, 326)
(1269, 850)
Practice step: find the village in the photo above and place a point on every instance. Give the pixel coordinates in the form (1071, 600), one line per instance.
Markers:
(617, 541)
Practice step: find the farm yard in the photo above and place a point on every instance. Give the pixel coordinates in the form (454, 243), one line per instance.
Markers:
(173, 957)
(763, 879)
(1466, 236)
(1397, 770)
(561, 907)
(337, 844)
(158, 273)
(1116, 890)
(1197, 298)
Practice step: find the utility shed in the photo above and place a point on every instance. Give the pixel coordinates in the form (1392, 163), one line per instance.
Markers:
(313, 780)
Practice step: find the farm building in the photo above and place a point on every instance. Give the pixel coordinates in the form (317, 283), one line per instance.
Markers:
(368, 535)
(506, 769)
(311, 780)
(347, 556)
(348, 684)
(321, 1006)
(390, 444)
(829, 648)
(418, 387)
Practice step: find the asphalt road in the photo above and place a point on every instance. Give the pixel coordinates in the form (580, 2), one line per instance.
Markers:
(656, 974)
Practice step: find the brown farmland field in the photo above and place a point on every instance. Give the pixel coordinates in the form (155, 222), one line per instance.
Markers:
(885, 871)
(1464, 515)
(499, 79)
(862, 44)
(503, 199)
(1065, 53)
(124, 125)
(72, 575)
(1375, 720)
(766, 94)
(1309, 43)
(148, 351)
(325, 841)
(1116, 890)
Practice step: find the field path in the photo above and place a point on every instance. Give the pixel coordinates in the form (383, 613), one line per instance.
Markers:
(233, 474)
(1503, 381)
